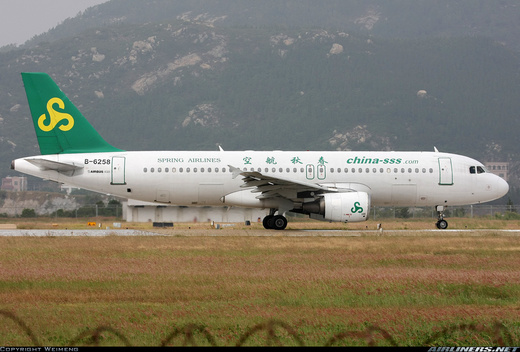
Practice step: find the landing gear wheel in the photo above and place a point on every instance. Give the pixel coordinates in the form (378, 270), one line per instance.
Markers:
(266, 222)
(279, 222)
(442, 224)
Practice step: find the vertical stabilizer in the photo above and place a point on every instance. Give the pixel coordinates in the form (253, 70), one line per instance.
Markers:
(60, 127)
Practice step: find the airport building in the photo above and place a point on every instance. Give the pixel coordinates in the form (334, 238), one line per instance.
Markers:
(15, 183)
(498, 168)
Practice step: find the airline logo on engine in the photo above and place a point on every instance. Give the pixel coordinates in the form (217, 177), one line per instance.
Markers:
(357, 208)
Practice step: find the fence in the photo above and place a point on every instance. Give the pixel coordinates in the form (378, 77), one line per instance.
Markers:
(88, 210)
(116, 210)
(196, 335)
(467, 211)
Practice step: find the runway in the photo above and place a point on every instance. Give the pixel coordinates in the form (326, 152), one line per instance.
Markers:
(252, 232)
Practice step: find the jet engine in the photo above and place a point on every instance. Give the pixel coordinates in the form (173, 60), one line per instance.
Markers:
(341, 207)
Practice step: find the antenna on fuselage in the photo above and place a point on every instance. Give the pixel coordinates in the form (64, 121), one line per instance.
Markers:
(435, 149)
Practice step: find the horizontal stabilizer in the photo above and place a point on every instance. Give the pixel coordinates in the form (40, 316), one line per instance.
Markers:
(61, 167)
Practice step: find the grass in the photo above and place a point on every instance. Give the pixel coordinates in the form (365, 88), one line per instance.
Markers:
(310, 290)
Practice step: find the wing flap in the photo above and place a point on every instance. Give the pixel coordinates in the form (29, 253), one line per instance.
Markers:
(275, 186)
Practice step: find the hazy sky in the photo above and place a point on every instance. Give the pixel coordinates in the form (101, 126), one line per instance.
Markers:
(20, 20)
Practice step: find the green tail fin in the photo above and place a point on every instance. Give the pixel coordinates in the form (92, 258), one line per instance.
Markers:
(60, 127)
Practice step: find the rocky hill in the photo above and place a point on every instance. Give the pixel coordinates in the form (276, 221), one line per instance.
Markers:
(266, 75)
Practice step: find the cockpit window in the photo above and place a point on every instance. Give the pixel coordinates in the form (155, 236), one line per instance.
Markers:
(476, 170)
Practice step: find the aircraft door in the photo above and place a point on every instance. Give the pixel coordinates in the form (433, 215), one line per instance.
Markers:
(322, 171)
(445, 172)
(118, 170)
(310, 172)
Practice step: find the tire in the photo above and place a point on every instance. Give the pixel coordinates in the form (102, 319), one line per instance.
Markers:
(279, 222)
(267, 222)
(442, 224)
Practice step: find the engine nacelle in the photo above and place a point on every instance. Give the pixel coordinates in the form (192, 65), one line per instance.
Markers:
(341, 207)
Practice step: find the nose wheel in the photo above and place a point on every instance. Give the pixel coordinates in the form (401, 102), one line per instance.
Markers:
(441, 223)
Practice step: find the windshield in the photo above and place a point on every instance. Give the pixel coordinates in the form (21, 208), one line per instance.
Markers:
(477, 169)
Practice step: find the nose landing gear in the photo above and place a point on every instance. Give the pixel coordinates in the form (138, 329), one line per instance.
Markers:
(441, 223)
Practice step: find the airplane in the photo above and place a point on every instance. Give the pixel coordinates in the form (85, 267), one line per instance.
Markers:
(331, 186)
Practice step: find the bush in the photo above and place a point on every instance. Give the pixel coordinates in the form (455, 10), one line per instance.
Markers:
(508, 215)
(28, 213)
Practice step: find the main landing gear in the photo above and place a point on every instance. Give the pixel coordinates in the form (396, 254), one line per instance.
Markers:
(441, 223)
(274, 222)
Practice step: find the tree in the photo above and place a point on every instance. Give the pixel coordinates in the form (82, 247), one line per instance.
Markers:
(28, 213)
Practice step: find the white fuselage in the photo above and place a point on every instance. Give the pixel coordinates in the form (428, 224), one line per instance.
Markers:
(204, 178)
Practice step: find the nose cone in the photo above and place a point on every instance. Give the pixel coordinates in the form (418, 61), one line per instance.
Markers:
(502, 187)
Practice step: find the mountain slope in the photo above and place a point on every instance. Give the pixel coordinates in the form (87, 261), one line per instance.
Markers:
(189, 83)
(391, 19)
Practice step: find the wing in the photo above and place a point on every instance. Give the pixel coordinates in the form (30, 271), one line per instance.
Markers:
(271, 186)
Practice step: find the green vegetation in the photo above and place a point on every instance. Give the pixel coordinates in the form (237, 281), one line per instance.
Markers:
(28, 213)
(309, 289)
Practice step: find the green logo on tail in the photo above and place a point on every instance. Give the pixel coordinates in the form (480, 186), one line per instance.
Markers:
(55, 117)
